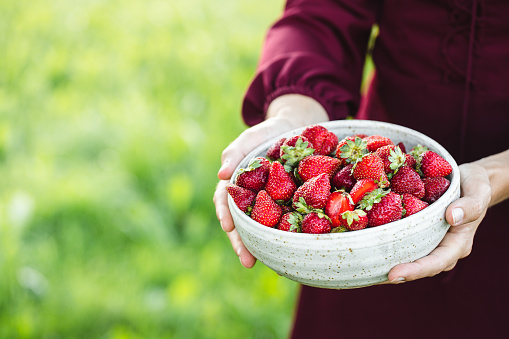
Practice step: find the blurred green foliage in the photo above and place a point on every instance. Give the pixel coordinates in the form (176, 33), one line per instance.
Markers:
(113, 116)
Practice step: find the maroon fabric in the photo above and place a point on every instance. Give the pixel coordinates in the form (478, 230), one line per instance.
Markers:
(442, 69)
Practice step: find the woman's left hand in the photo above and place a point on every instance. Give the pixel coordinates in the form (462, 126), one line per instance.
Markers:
(464, 215)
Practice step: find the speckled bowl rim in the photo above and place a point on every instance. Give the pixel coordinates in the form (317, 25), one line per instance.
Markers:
(398, 225)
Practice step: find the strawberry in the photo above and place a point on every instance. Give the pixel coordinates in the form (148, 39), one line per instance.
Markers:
(265, 210)
(361, 188)
(280, 185)
(371, 166)
(351, 151)
(411, 204)
(406, 180)
(401, 146)
(274, 151)
(324, 141)
(433, 165)
(344, 179)
(434, 188)
(410, 160)
(242, 197)
(417, 150)
(316, 223)
(354, 220)
(314, 165)
(315, 191)
(338, 203)
(255, 176)
(389, 209)
(291, 222)
(392, 157)
(371, 198)
(376, 141)
(384, 153)
(295, 149)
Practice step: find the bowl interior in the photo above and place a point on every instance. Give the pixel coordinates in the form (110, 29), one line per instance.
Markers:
(343, 128)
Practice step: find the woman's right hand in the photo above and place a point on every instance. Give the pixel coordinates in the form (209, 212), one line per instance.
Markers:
(284, 114)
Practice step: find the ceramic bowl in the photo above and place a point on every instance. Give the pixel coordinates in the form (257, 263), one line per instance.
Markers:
(358, 258)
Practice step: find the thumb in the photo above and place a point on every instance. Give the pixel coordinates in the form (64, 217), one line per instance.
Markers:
(475, 196)
(248, 141)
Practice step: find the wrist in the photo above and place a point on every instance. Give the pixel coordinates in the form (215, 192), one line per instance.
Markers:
(298, 110)
(497, 170)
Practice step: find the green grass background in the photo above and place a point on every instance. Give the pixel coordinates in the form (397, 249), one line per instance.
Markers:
(113, 116)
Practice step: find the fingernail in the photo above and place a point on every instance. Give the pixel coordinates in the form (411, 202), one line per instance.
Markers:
(399, 279)
(457, 215)
(238, 252)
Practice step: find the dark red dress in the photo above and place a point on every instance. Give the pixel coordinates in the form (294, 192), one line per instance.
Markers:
(442, 68)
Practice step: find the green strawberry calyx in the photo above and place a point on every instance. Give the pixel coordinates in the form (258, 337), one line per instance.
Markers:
(253, 164)
(295, 221)
(352, 216)
(353, 151)
(397, 159)
(293, 154)
(371, 198)
(303, 208)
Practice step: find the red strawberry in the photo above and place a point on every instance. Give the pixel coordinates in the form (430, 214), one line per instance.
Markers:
(273, 153)
(433, 165)
(389, 209)
(254, 177)
(280, 184)
(434, 187)
(384, 153)
(371, 166)
(338, 203)
(291, 222)
(265, 210)
(324, 141)
(376, 141)
(295, 149)
(286, 209)
(314, 165)
(242, 197)
(315, 191)
(316, 223)
(401, 146)
(392, 157)
(354, 220)
(344, 179)
(406, 180)
(412, 205)
(351, 151)
(410, 160)
(362, 187)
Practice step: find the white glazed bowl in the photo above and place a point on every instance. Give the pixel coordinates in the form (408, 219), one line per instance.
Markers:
(358, 258)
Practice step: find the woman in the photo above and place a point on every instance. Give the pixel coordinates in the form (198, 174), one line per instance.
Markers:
(442, 68)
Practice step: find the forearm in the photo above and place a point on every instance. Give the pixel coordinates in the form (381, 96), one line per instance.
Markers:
(497, 169)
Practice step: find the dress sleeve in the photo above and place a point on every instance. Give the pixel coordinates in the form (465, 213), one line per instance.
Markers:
(317, 48)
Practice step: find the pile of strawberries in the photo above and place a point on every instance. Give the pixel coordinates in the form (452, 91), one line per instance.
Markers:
(315, 183)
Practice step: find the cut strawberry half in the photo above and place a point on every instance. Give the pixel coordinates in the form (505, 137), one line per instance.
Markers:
(362, 187)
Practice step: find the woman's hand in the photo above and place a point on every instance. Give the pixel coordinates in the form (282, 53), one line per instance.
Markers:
(483, 184)
(284, 114)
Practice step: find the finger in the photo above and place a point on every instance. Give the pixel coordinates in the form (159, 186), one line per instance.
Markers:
(246, 258)
(466, 210)
(476, 196)
(222, 210)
